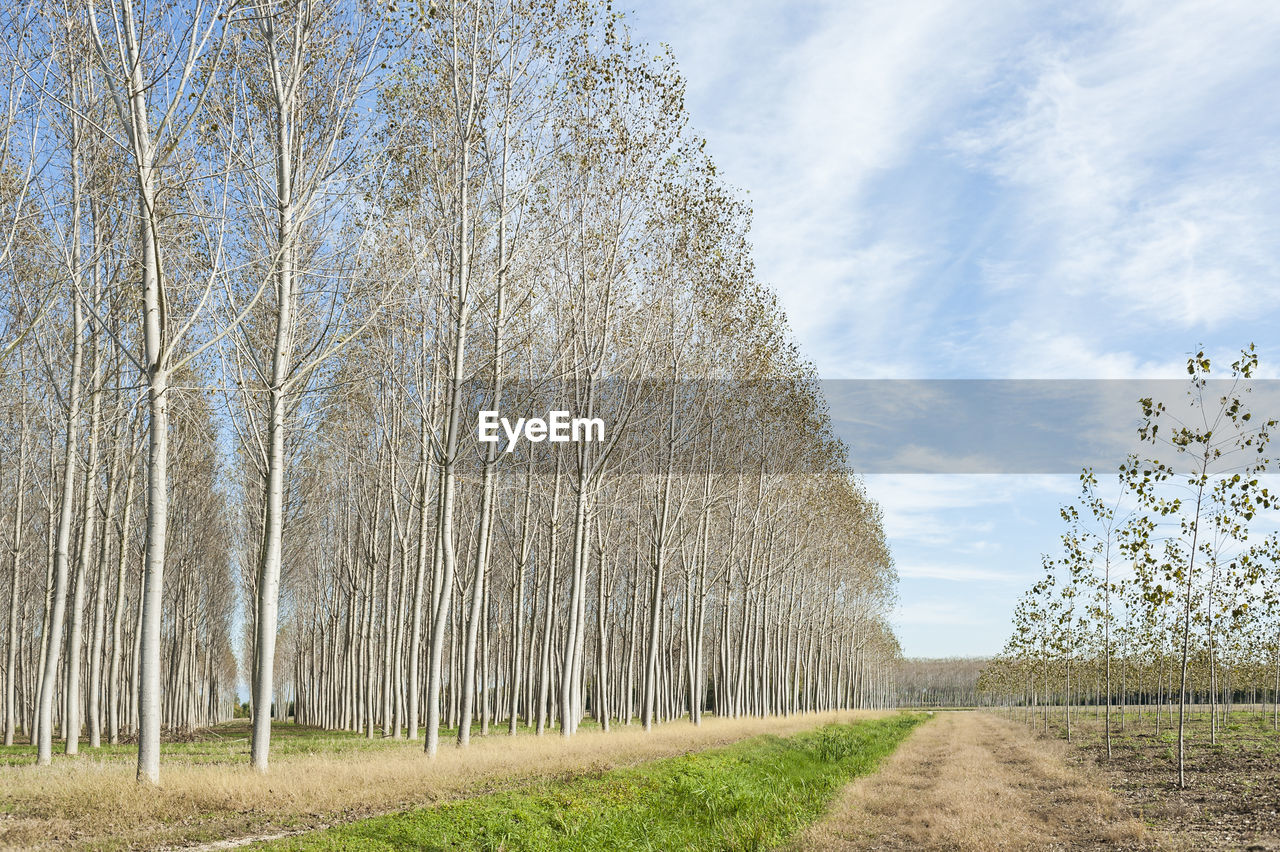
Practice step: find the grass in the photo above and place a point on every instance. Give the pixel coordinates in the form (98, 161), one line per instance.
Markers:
(1232, 799)
(752, 795)
(228, 743)
(1247, 732)
(973, 782)
(317, 779)
(221, 744)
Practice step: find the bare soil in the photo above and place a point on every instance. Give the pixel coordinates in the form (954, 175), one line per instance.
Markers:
(1232, 799)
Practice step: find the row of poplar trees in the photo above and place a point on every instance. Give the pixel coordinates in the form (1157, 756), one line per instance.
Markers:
(1166, 594)
(263, 262)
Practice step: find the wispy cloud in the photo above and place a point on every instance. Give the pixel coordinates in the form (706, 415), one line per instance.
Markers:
(952, 613)
(958, 573)
(1136, 148)
(999, 189)
(996, 189)
(816, 108)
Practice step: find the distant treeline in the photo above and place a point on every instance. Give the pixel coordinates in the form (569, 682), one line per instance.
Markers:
(939, 682)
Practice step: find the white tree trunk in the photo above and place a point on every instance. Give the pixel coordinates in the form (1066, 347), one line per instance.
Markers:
(62, 548)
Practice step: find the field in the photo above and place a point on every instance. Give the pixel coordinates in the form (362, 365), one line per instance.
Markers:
(1233, 795)
(320, 779)
(944, 780)
(986, 780)
(752, 795)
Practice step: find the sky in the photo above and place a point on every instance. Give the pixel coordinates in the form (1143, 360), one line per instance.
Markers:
(995, 190)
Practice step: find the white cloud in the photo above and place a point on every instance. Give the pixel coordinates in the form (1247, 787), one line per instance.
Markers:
(1037, 350)
(807, 106)
(957, 573)
(932, 613)
(1138, 154)
(997, 189)
(910, 493)
(936, 517)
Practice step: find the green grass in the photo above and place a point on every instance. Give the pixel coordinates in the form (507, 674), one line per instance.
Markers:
(227, 742)
(751, 795)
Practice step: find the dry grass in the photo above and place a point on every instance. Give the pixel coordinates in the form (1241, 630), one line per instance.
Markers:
(96, 804)
(972, 781)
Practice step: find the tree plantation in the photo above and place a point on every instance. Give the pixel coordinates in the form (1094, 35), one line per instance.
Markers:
(441, 424)
(263, 263)
(1162, 608)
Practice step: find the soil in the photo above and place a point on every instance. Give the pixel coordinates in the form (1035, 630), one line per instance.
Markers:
(1232, 798)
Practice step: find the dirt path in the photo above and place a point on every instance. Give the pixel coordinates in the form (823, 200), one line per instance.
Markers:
(973, 781)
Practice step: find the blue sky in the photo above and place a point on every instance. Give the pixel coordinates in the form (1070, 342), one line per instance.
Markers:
(996, 190)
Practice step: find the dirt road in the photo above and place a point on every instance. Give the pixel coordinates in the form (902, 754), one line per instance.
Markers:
(973, 781)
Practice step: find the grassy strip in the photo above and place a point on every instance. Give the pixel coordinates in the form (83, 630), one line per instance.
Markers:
(320, 779)
(751, 795)
(228, 743)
